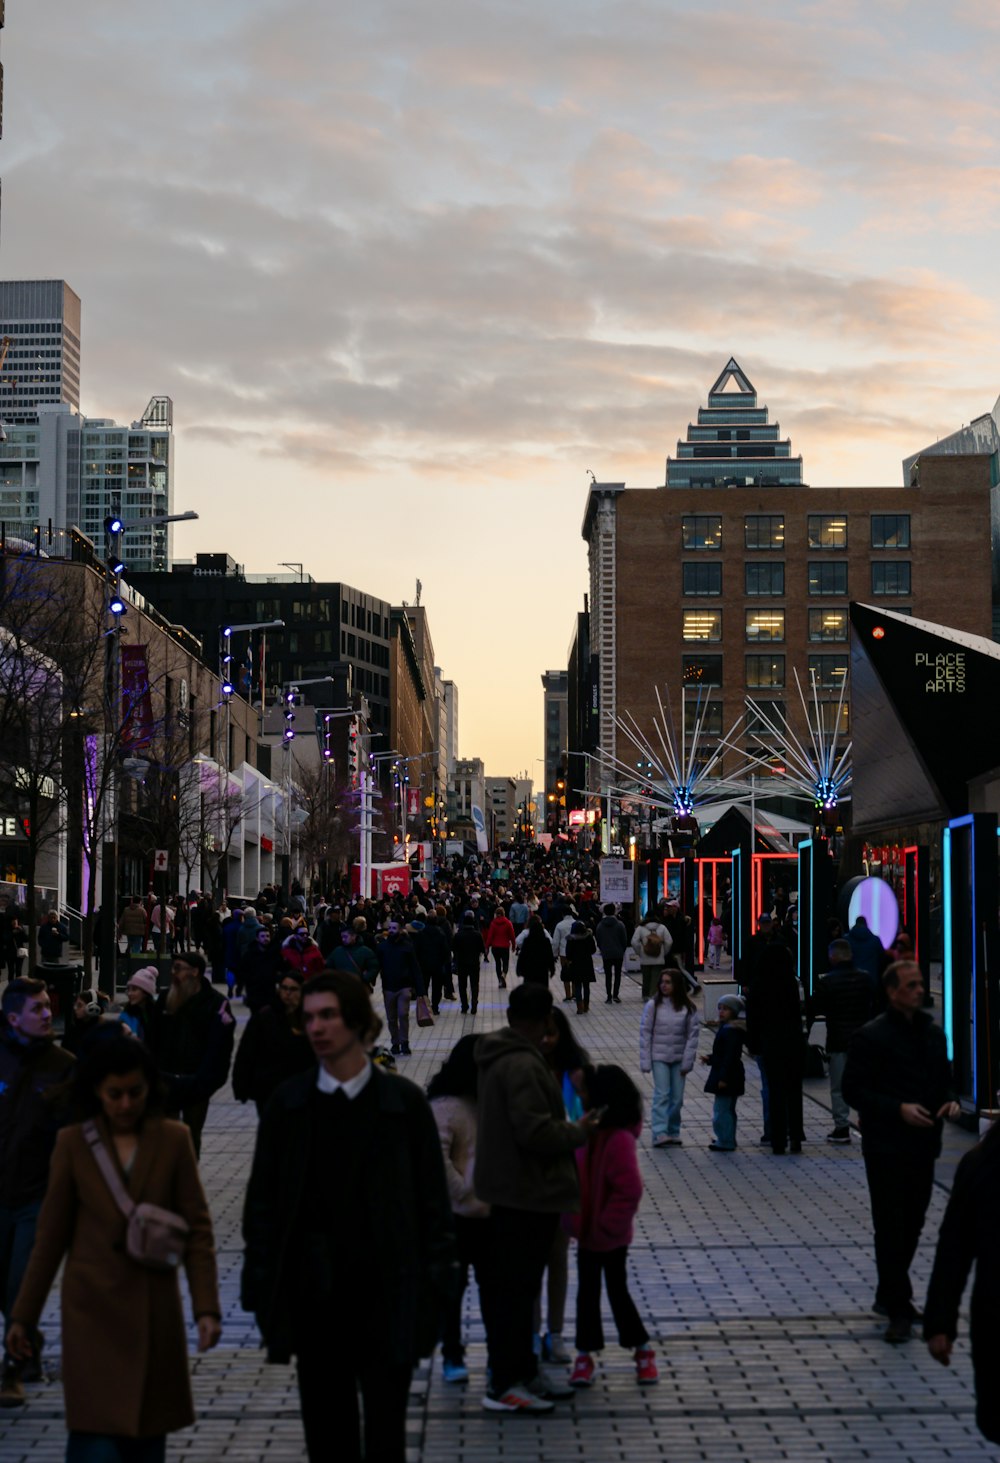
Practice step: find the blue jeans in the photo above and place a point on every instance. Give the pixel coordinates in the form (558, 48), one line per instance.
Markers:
(668, 1099)
(102, 1448)
(17, 1235)
(724, 1120)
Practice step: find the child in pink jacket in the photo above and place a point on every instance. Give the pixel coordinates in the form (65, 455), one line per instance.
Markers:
(610, 1190)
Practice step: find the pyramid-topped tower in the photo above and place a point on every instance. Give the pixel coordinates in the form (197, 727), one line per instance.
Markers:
(733, 444)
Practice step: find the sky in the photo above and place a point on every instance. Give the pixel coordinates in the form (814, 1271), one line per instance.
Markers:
(411, 272)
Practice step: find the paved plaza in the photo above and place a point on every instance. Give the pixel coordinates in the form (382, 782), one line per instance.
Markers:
(754, 1275)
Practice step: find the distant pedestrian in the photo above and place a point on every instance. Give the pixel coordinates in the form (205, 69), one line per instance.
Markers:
(775, 1035)
(668, 1048)
(726, 1078)
(612, 941)
(610, 1189)
(580, 951)
(469, 952)
(536, 959)
(499, 940)
(274, 1045)
(652, 943)
(715, 940)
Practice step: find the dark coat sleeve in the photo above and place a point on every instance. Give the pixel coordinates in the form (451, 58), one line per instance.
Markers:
(861, 1081)
(953, 1260)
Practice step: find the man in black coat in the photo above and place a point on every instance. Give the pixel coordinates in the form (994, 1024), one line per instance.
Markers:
(899, 1078)
(844, 997)
(348, 1165)
(193, 1044)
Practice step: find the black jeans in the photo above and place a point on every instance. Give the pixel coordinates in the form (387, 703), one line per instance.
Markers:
(784, 1085)
(612, 976)
(501, 959)
(467, 980)
(472, 1237)
(440, 983)
(590, 1266)
(330, 1375)
(519, 1241)
(899, 1185)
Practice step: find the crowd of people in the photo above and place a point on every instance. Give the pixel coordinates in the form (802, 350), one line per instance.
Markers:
(522, 1149)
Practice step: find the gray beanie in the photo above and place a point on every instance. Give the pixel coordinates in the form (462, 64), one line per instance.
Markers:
(732, 1003)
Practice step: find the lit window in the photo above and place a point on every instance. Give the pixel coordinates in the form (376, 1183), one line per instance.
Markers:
(826, 531)
(764, 531)
(829, 670)
(765, 624)
(827, 624)
(701, 531)
(702, 625)
(702, 670)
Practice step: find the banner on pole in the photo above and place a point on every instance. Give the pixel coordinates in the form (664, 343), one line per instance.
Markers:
(137, 704)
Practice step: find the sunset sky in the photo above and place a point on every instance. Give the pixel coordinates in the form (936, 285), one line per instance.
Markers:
(409, 270)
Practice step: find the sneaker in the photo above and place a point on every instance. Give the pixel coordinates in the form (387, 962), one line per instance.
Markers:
(898, 1331)
(661, 1141)
(645, 1367)
(546, 1387)
(673, 1141)
(516, 1399)
(554, 1348)
(718, 1148)
(404, 1050)
(583, 1371)
(454, 1371)
(839, 1135)
(617, 1000)
(11, 1387)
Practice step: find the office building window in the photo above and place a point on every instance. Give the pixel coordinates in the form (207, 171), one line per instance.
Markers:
(890, 530)
(826, 531)
(764, 531)
(765, 624)
(764, 671)
(755, 724)
(828, 579)
(702, 625)
(828, 717)
(702, 670)
(701, 531)
(702, 579)
(764, 579)
(827, 624)
(829, 671)
(891, 577)
(707, 714)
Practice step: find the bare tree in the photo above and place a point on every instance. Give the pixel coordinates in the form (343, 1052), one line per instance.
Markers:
(325, 838)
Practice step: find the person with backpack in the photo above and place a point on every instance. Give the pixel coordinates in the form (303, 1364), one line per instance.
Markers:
(668, 1048)
(652, 943)
(610, 1191)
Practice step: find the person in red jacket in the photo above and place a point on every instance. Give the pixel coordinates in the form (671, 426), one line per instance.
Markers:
(500, 941)
(610, 1190)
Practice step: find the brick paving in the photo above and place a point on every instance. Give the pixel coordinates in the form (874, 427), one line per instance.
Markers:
(754, 1275)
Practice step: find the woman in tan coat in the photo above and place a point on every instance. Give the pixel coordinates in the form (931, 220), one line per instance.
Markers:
(125, 1367)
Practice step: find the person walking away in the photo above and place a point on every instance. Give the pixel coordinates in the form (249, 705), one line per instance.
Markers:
(33, 1071)
(568, 1061)
(560, 934)
(526, 1173)
(536, 959)
(232, 925)
(867, 950)
(715, 939)
(668, 1048)
(433, 950)
(121, 1319)
(610, 1191)
(274, 1045)
(612, 941)
(968, 1237)
(898, 1077)
(651, 942)
(726, 1077)
(452, 1095)
(774, 1032)
(844, 998)
(347, 1150)
(499, 940)
(580, 951)
(469, 952)
(194, 1033)
(402, 979)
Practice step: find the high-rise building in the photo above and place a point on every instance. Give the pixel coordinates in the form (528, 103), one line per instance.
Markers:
(555, 685)
(74, 472)
(40, 319)
(733, 444)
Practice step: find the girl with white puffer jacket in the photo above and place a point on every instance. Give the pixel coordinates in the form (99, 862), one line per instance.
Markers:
(668, 1047)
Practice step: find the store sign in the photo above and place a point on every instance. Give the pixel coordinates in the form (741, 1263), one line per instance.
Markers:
(617, 883)
(12, 828)
(943, 672)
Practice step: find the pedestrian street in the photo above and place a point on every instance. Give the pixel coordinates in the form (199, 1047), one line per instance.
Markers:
(753, 1273)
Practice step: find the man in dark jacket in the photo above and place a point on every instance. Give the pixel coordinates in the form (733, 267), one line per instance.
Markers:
(433, 951)
(195, 1030)
(348, 1156)
(899, 1079)
(526, 1172)
(612, 941)
(32, 1067)
(402, 978)
(844, 997)
(469, 955)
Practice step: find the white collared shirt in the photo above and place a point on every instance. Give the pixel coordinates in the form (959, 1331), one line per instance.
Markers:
(351, 1087)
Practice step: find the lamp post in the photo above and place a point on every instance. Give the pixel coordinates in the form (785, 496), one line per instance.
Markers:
(115, 528)
(227, 690)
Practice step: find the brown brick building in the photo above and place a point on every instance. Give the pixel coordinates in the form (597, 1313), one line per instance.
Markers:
(733, 583)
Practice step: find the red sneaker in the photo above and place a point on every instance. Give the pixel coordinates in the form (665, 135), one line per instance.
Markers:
(645, 1367)
(582, 1374)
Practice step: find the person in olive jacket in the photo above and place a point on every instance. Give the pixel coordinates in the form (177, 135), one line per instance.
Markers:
(968, 1236)
(349, 1242)
(899, 1079)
